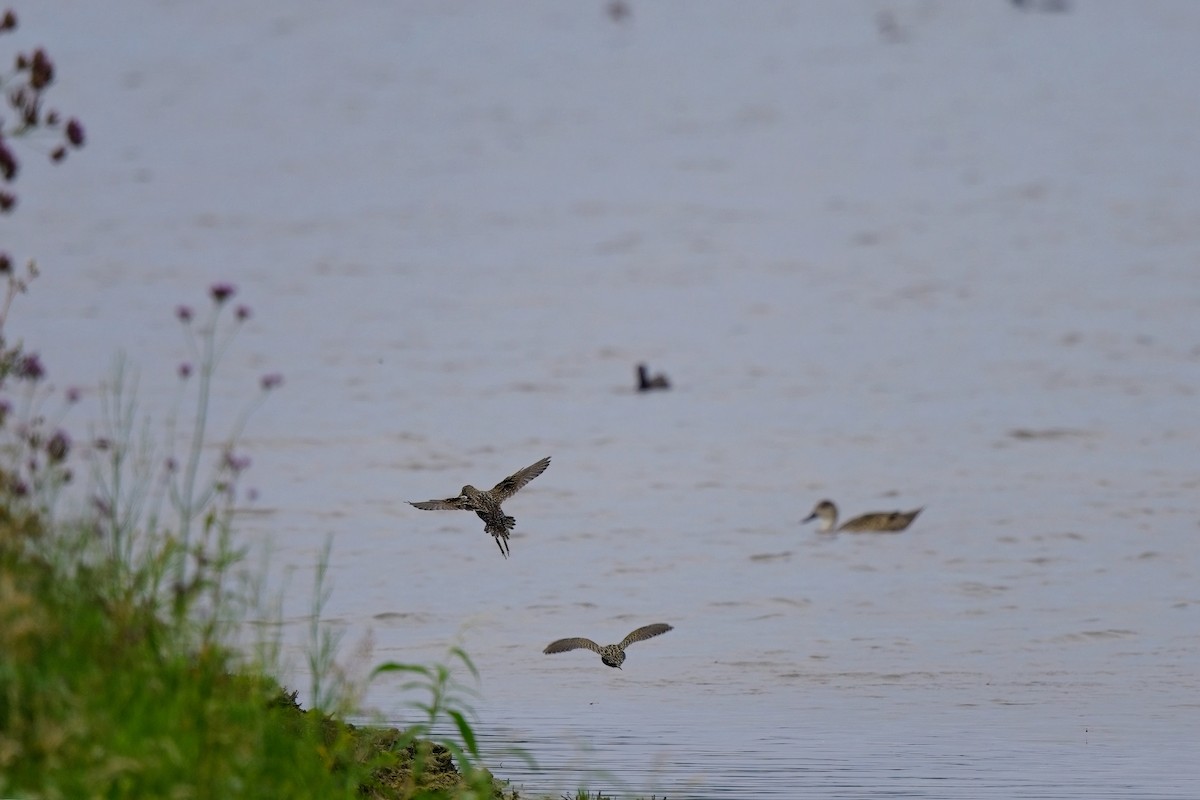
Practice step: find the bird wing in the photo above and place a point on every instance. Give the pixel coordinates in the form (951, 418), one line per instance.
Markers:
(884, 521)
(449, 504)
(645, 632)
(574, 643)
(900, 520)
(871, 521)
(509, 486)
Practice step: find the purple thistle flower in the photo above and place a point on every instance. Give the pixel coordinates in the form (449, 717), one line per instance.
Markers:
(271, 381)
(30, 367)
(185, 371)
(101, 505)
(183, 314)
(242, 313)
(73, 394)
(234, 463)
(75, 133)
(220, 292)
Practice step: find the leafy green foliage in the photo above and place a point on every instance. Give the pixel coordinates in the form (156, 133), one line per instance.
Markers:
(445, 702)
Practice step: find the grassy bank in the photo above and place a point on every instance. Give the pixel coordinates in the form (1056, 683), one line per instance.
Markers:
(102, 695)
(117, 676)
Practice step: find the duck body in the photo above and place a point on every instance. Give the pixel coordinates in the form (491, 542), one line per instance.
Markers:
(872, 522)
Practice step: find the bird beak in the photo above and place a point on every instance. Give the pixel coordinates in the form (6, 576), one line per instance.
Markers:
(809, 518)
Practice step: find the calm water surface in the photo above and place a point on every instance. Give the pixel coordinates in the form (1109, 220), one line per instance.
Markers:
(955, 268)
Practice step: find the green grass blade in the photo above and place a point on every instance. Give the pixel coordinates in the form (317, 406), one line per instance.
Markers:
(465, 731)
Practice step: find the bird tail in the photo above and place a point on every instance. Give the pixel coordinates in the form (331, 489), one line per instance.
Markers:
(507, 523)
(500, 532)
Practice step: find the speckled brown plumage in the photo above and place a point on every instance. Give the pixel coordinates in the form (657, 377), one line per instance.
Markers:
(613, 655)
(486, 504)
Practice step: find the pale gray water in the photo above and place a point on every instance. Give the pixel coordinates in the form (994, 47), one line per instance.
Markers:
(864, 264)
(867, 761)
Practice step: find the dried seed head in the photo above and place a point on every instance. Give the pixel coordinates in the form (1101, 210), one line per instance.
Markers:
(8, 162)
(41, 70)
(58, 447)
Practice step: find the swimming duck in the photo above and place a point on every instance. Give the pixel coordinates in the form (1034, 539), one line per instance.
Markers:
(648, 382)
(872, 522)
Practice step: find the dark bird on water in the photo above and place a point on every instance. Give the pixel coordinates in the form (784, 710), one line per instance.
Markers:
(613, 655)
(648, 382)
(873, 522)
(487, 503)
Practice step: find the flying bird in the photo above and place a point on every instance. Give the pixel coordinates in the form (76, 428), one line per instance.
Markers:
(486, 504)
(613, 655)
